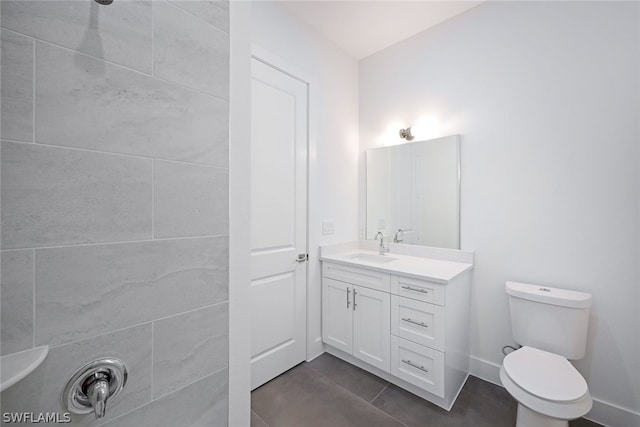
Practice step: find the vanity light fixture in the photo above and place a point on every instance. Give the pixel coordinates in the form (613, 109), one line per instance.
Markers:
(406, 134)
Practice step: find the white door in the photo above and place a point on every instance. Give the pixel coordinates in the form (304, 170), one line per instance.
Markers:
(372, 326)
(278, 222)
(337, 309)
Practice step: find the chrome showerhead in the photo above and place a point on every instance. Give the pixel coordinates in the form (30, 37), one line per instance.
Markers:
(104, 2)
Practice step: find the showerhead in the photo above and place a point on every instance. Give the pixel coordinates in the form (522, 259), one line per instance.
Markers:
(104, 2)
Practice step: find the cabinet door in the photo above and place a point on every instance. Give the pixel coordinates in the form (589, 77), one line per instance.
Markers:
(337, 300)
(371, 327)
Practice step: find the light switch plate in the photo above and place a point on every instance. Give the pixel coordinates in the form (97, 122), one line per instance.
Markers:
(327, 228)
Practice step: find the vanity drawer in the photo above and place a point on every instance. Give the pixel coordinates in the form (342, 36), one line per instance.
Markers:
(418, 321)
(418, 365)
(423, 290)
(358, 276)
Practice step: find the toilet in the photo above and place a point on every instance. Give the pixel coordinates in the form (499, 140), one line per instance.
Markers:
(551, 326)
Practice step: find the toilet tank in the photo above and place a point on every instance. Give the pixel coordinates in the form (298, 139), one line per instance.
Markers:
(550, 319)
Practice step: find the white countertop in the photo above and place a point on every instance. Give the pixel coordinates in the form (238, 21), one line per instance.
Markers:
(419, 267)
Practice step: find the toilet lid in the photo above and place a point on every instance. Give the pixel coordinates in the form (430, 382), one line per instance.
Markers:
(545, 375)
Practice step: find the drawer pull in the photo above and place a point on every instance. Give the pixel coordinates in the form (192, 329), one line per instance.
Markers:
(411, 288)
(348, 291)
(408, 362)
(408, 319)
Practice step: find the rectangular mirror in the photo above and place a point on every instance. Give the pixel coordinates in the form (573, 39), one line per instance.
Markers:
(415, 187)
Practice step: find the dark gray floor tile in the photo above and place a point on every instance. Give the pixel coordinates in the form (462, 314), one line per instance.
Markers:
(356, 380)
(414, 411)
(256, 421)
(488, 391)
(304, 397)
(487, 405)
(478, 406)
(329, 392)
(583, 423)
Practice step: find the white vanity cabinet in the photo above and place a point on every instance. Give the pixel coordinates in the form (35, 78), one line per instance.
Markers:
(356, 318)
(409, 326)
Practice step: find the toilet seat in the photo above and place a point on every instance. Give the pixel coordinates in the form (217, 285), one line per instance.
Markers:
(546, 383)
(545, 375)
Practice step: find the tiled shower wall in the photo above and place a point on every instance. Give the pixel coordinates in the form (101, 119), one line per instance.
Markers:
(114, 179)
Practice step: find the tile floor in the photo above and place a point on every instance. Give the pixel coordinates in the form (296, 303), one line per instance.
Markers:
(328, 392)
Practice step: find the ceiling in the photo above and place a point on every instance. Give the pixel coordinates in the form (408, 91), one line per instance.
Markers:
(362, 28)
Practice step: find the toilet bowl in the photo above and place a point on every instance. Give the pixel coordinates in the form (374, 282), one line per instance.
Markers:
(551, 324)
(549, 390)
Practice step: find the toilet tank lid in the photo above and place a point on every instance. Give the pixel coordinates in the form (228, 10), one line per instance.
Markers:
(548, 295)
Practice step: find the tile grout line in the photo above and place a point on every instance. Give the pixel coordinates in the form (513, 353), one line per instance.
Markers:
(172, 3)
(115, 64)
(355, 395)
(33, 124)
(381, 391)
(153, 199)
(140, 324)
(378, 395)
(226, 368)
(153, 323)
(260, 418)
(119, 65)
(161, 397)
(153, 41)
(112, 153)
(33, 325)
(80, 245)
(358, 397)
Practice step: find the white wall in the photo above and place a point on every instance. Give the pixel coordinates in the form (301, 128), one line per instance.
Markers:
(333, 133)
(239, 215)
(546, 97)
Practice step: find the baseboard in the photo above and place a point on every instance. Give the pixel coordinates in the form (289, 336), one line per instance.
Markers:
(612, 415)
(485, 370)
(605, 413)
(315, 347)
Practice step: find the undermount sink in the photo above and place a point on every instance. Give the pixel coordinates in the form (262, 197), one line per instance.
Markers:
(379, 259)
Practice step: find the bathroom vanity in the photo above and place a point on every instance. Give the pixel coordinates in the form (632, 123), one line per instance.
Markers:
(404, 318)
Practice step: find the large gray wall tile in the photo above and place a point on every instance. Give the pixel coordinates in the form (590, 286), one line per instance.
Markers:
(41, 390)
(215, 12)
(121, 34)
(17, 87)
(84, 291)
(16, 292)
(188, 347)
(53, 196)
(202, 404)
(109, 108)
(189, 51)
(190, 200)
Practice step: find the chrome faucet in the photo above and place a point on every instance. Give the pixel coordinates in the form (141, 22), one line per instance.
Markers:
(381, 249)
(401, 239)
(98, 393)
(93, 385)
